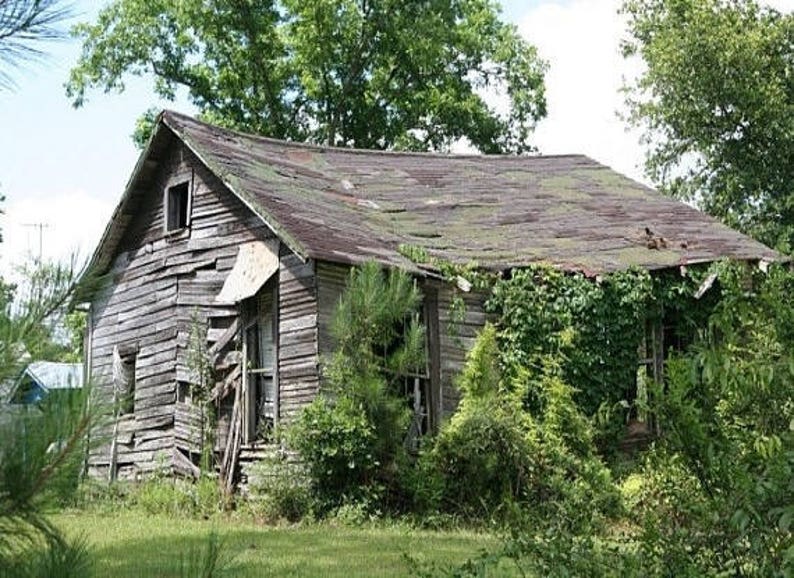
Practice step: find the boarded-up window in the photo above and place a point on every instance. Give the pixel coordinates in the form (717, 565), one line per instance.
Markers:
(124, 380)
(259, 349)
(177, 206)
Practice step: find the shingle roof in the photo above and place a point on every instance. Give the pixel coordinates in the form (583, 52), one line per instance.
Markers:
(499, 211)
(349, 206)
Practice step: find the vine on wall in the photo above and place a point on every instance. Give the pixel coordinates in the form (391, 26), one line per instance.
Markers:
(592, 327)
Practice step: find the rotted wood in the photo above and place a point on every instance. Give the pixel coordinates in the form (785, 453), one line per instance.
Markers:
(223, 388)
(231, 455)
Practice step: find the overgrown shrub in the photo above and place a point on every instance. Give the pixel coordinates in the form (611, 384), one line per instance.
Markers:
(279, 490)
(337, 441)
(592, 329)
(717, 495)
(351, 437)
(178, 497)
(494, 455)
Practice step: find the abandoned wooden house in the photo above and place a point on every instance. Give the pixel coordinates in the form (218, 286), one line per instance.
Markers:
(255, 238)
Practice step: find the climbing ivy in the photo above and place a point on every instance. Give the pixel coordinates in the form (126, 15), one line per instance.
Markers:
(592, 327)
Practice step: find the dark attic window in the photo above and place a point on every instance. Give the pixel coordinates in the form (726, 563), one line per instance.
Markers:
(177, 200)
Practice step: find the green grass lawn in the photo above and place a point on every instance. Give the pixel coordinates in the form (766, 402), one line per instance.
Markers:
(133, 544)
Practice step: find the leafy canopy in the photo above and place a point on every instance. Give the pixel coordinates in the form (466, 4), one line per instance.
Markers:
(366, 73)
(717, 103)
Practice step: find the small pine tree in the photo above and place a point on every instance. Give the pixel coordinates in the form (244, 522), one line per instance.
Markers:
(40, 447)
(351, 437)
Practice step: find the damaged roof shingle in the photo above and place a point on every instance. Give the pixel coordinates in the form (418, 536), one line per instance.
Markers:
(498, 211)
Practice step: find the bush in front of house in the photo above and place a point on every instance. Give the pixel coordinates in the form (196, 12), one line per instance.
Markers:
(494, 458)
(278, 490)
(716, 495)
(351, 437)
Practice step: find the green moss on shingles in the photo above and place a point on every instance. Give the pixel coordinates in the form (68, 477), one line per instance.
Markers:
(642, 256)
(562, 208)
(612, 182)
(564, 187)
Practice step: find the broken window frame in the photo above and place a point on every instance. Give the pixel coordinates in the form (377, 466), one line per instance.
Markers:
(416, 388)
(650, 371)
(259, 315)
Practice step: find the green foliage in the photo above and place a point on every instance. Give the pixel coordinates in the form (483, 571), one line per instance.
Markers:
(32, 314)
(144, 128)
(494, 456)
(351, 437)
(547, 549)
(370, 74)
(208, 561)
(336, 440)
(717, 102)
(717, 491)
(593, 327)
(56, 557)
(40, 462)
(24, 25)
(279, 490)
(201, 498)
(42, 447)
(202, 382)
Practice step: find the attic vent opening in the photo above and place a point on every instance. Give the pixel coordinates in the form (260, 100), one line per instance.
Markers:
(177, 201)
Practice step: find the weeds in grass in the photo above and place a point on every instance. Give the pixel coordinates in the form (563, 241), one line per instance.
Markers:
(210, 561)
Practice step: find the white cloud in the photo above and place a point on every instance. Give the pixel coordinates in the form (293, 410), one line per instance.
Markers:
(72, 223)
(581, 41)
(781, 5)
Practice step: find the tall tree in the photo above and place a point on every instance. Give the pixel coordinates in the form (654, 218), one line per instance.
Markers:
(364, 73)
(23, 25)
(717, 103)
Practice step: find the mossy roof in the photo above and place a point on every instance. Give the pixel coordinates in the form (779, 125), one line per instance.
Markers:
(349, 206)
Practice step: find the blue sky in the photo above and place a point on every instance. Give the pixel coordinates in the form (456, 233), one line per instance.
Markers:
(66, 167)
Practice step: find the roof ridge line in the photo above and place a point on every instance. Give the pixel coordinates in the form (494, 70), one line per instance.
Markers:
(362, 151)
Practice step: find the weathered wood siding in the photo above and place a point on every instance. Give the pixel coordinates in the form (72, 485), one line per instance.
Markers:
(298, 359)
(155, 285)
(457, 336)
(331, 283)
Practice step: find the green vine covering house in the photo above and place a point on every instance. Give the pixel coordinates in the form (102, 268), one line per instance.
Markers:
(254, 238)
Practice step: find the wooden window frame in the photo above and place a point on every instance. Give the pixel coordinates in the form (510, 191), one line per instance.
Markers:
(650, 364)
(168, 193)
(421, 389)
(250, 425)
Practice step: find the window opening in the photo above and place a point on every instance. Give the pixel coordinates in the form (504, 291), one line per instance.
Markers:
(177, 206)
(124, 381)
(415, 388)
(183, 392)
(650, 369)
(259, 344)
